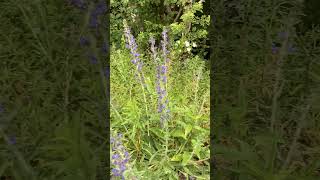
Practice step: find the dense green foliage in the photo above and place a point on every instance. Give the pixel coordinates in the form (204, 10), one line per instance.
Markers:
(52, 96)
(147, 17)
(181, 149)
(188, 126)
(266, 91)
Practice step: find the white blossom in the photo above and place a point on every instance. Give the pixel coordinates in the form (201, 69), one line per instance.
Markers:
(187, 43)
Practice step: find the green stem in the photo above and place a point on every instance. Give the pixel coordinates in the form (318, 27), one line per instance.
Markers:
(145, 102)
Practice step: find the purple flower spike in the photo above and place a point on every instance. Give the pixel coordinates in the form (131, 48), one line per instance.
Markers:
(133, 47)
(161, 77)
(164, 79)
(120, 157)
(115, 156)
(164, 116)
(165, 51)
(136, 55)
(164, 69)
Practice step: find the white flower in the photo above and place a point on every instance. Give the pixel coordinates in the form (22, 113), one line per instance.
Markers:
(187, 43)
(178, 42)
(188, 49)
(194, 45)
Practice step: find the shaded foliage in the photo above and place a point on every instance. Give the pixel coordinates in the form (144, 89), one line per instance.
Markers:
(264, 90)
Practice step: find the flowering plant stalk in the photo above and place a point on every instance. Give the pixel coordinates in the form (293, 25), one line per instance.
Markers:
(162, 77)
(120, 156)
(162, 81)
(131, 44)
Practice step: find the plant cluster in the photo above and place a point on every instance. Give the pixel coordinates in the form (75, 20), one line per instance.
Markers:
(166, 140)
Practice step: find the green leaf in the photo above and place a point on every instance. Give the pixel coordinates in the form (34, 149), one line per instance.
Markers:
(187, 129)
(178, 133)
(157, 132)
(196, 147)
(177, 157)
(186, 158)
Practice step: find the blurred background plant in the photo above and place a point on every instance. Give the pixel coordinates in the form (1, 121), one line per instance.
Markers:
(53, 124)
(266, 64)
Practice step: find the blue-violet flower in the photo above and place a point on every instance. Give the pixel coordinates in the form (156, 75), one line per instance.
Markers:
(120, 156)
